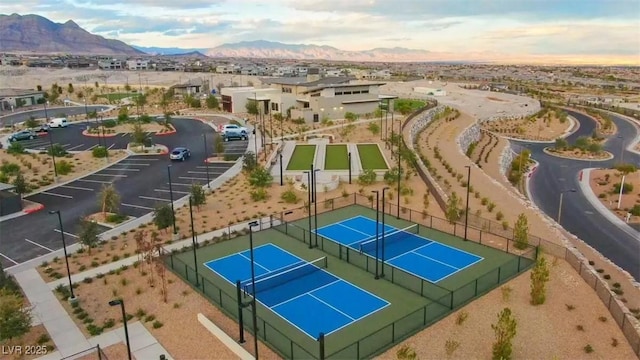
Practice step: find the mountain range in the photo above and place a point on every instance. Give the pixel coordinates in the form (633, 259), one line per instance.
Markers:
(37, 34)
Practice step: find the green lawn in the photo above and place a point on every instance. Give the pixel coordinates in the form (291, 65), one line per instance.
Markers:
(371, 157)
(302, 157)
(336, 157)
(117, 96)
(407, 106)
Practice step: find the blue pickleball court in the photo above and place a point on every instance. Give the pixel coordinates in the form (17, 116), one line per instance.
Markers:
(301, 292)
(403, 248)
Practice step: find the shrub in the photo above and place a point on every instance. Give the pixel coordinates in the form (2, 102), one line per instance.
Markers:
(56, 150)
(570, 307)
(462, 316)
(149, 318)
(588, 349)
(367, 177)
(110, 123)
(116, 218)
(290, 197)
(10, 169)
(15, 148)
(626, 188)
(157, 324)
(63, 167)
(43, 339)
(499, 215)
(99, 152)
(259, 194)
(109, 323)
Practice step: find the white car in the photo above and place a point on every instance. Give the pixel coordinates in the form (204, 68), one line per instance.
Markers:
(233, 131)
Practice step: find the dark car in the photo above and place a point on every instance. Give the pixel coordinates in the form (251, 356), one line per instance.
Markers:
(41, 129)
(23, 135)
(180, 153)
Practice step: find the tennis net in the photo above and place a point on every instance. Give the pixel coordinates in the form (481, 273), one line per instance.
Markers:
(389, 238)
(288, 273)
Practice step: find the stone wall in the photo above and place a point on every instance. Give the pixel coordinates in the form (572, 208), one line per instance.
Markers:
(468, 136)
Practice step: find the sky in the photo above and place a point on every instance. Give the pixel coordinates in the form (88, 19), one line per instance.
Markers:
(608, 30)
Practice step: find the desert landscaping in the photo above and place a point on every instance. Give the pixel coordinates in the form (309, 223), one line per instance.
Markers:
(606, 185)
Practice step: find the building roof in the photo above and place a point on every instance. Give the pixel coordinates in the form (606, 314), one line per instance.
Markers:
(302, 80)
(5, 187)
(18, 92)
(327, 86)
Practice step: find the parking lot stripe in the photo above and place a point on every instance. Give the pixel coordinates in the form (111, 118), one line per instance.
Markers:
(36, 244)
(136, 206)
(75, 147)
(77, 188)
(112, 145)
(200, 172)
(180, 184)
(54, 194)
(120, 169)
(154, 198)
(213, 167)
(175, 191)
(95, 181)
(66, 233)
(123, 134)
(112, 175)
(192, 178)
(8, 258)
(65, 145)
(140, 159)
(91, 148)
(132, 164)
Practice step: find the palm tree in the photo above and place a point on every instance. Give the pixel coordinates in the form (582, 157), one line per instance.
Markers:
(109, 199)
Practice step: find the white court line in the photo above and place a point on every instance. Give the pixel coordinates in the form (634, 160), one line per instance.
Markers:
(404, 253)
(66, 233)
(75, 147)
(192, 178)
(175, 191)
(253, 262)
(96, 181)
(331, 306)
(120, 169)
(136, 206)
(91, 148)
(8, 258)
(154, 198)
(307, 293)
(438, 261)
(76, 188)
(59, 195)
(111, 175)
(36, 244)
(356, 230)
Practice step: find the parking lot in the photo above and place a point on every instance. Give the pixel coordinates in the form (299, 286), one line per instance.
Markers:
(71, 139)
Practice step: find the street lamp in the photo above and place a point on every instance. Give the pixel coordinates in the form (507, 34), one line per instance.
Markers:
(315, 203)
(377, 228)
(173, 213)
(64, 248)
(281, 124)
(206, 159)
(193, 238)
(120, 302)
(399, 163)
(253, 289)
(53, 156)
(621, 149)
(466, 209)
(309, 199)
(86, 112)
(560, 205)
(46, 116)
(349, 156)
(281, 173)
(384, 228)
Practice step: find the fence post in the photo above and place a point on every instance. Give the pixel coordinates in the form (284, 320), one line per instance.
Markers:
(499, 271)
(480, 237)
(99, 352)
(430, 221)
(171, 257)
(321, 343)
(240, 307)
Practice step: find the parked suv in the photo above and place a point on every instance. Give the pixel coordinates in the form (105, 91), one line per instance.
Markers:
(233, 131)
(23, 135)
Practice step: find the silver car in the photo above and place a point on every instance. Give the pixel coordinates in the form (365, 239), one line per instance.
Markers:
(180, 153)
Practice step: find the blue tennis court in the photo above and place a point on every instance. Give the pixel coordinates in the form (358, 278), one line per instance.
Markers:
(404, 249)
(303, 293)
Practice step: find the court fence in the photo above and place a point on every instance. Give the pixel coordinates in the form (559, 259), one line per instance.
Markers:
(94, 352)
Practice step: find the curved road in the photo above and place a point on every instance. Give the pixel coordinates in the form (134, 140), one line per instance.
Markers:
(13, 118)
(142, 182)
(553, 175)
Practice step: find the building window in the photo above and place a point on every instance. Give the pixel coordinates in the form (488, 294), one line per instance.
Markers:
(365, 91)
(306, 105)
(316, 118)
(286, 90)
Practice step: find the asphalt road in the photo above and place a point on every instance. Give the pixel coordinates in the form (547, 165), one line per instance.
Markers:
(9, 120)
(554, 175)
(142, 182)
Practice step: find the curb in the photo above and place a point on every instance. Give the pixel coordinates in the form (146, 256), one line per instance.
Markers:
(87, 134)
(166, 133)
(550, 153)
(33, 210)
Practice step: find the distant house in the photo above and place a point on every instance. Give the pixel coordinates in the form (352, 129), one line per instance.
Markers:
(15, 98)
(113, 64)
(138, 64)
(192, 87)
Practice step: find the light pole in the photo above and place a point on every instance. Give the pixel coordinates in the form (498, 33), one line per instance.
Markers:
(621, 149)
(377, 228)
(53, 156)
(46, 116)
(384, 229)
(560, 205)
(173, 213)
(86, 112)
(386, 123)
(309, 199)
(281, 124)
(399, 163)
(381, 129)
(281, 174)
(253, 289)
(64, 248)
(349, 156)
(466, 209)
(315, 204)
(206, 159)
(193, 238)
(120, 302)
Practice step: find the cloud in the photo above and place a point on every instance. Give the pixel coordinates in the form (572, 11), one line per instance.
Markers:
(167, 4)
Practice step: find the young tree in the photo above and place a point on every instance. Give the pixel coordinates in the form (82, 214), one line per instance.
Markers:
(260, 177)
(89, 234)
(218, 144)
(505, 331)
(212, 102)
(163, 216)
(139, 136)
(31, 122)
(141, 101)
(252, 107)
(15, 319)
(249, 162)
(21, 186)
(219, 86)
(198, 196)
(70, 88)
(539, 278)
(453, 211)
(521, 232)
(109, 200)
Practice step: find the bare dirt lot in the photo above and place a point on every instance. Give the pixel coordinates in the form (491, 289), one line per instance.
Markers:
(605, 183)
(547, 127)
